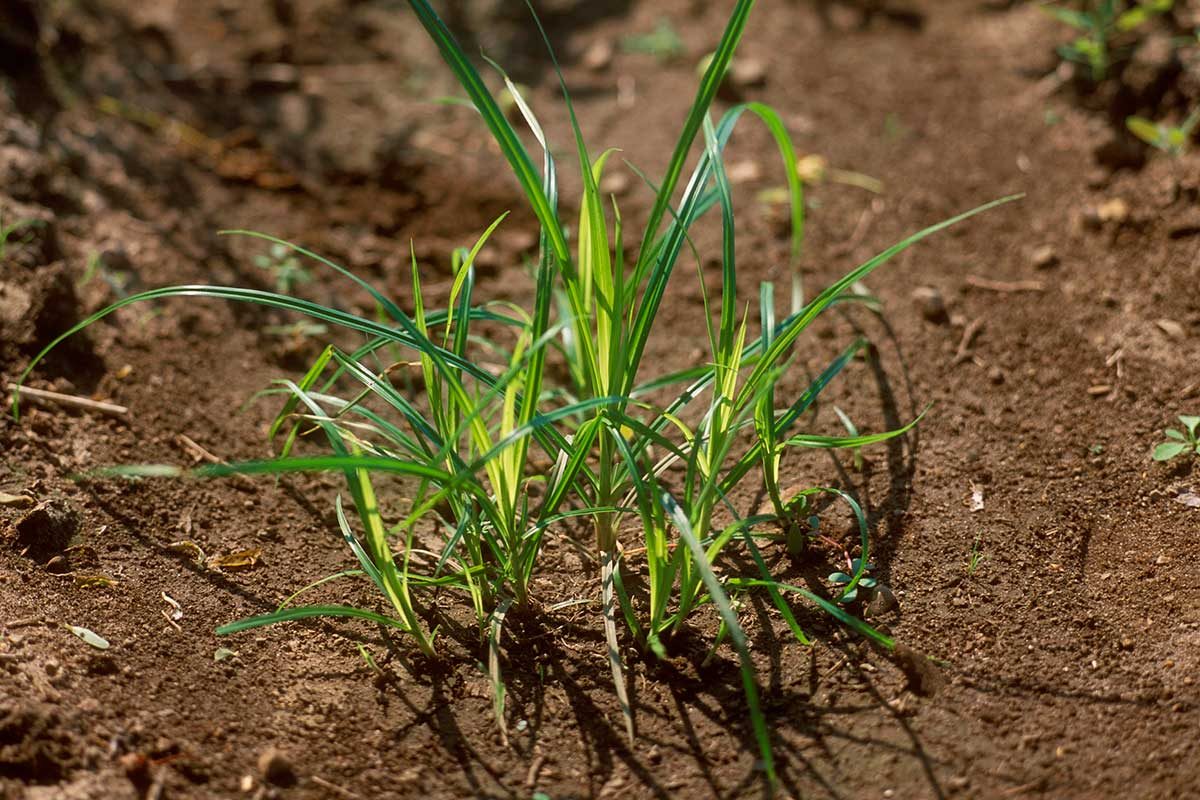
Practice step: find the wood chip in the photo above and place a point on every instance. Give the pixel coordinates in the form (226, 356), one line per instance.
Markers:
(15, 500)
(1099, 390)
(1007, 287)
(964, 351)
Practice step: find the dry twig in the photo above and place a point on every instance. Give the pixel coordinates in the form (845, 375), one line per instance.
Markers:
(68, 400)
(964, 352)
(1006, 287)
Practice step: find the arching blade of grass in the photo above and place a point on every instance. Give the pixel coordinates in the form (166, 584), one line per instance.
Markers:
(510, 145)
(306, 612)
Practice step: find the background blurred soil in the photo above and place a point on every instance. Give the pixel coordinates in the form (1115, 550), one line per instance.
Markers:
(131, 133)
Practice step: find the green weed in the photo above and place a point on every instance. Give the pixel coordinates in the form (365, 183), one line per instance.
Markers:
(284, 268)
(1098, 23)
(1178, 442)
(663, 42)
(975, 557)
(1172, 139)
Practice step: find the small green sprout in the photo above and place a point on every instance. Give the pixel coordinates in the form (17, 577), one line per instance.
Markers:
(1098, 24)
(976, 557)
(843, 579)
(285, 269)
(7, 231)
(663, 42)
(1179, 443)
(1172, 139)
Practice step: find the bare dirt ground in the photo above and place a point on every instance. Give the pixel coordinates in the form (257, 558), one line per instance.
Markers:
(132, 132)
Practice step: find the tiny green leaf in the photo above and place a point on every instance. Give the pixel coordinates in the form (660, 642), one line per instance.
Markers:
(1171, 433)
(839, 578)
(1168, 450)
(95, 640)
(1149, 132)
(1191, 423)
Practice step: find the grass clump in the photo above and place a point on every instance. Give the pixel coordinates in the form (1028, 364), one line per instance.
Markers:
(496, 454)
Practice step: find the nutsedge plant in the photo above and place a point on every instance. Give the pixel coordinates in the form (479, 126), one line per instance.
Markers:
(494, 455)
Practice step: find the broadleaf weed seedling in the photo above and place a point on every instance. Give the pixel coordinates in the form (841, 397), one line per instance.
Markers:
(494, 456)
(1179, 443)
(285, 269)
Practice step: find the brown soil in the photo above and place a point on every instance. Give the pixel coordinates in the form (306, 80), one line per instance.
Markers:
(1068, 658)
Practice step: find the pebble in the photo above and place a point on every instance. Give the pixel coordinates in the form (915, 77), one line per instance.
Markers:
(615, 183)
(744, 172)
(933, 307)
(745, 73)
(598, 56)
(1171, 328)
(996, 375)
(1114, 210)
(276, 768)
(1044, 257)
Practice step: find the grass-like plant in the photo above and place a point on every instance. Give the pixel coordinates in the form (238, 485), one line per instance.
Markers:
(494, 455)
(1098, 23)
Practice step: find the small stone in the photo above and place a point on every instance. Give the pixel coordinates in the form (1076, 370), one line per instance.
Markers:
(598, 56)
(1099, 390)
(615, 183)
(883, 601)
(746, 73)
(744, 172)
(929, 301)
(996, 375)
(1044, 257)
(1171, 328)
(47, 530)
(1127, 644)
(1163, 559)
(1187, 225)
(276, 768)
(1114, 210)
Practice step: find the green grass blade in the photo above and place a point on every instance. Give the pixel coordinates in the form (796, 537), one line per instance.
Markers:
(305, 612)
(510, 145)
(721, 601)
